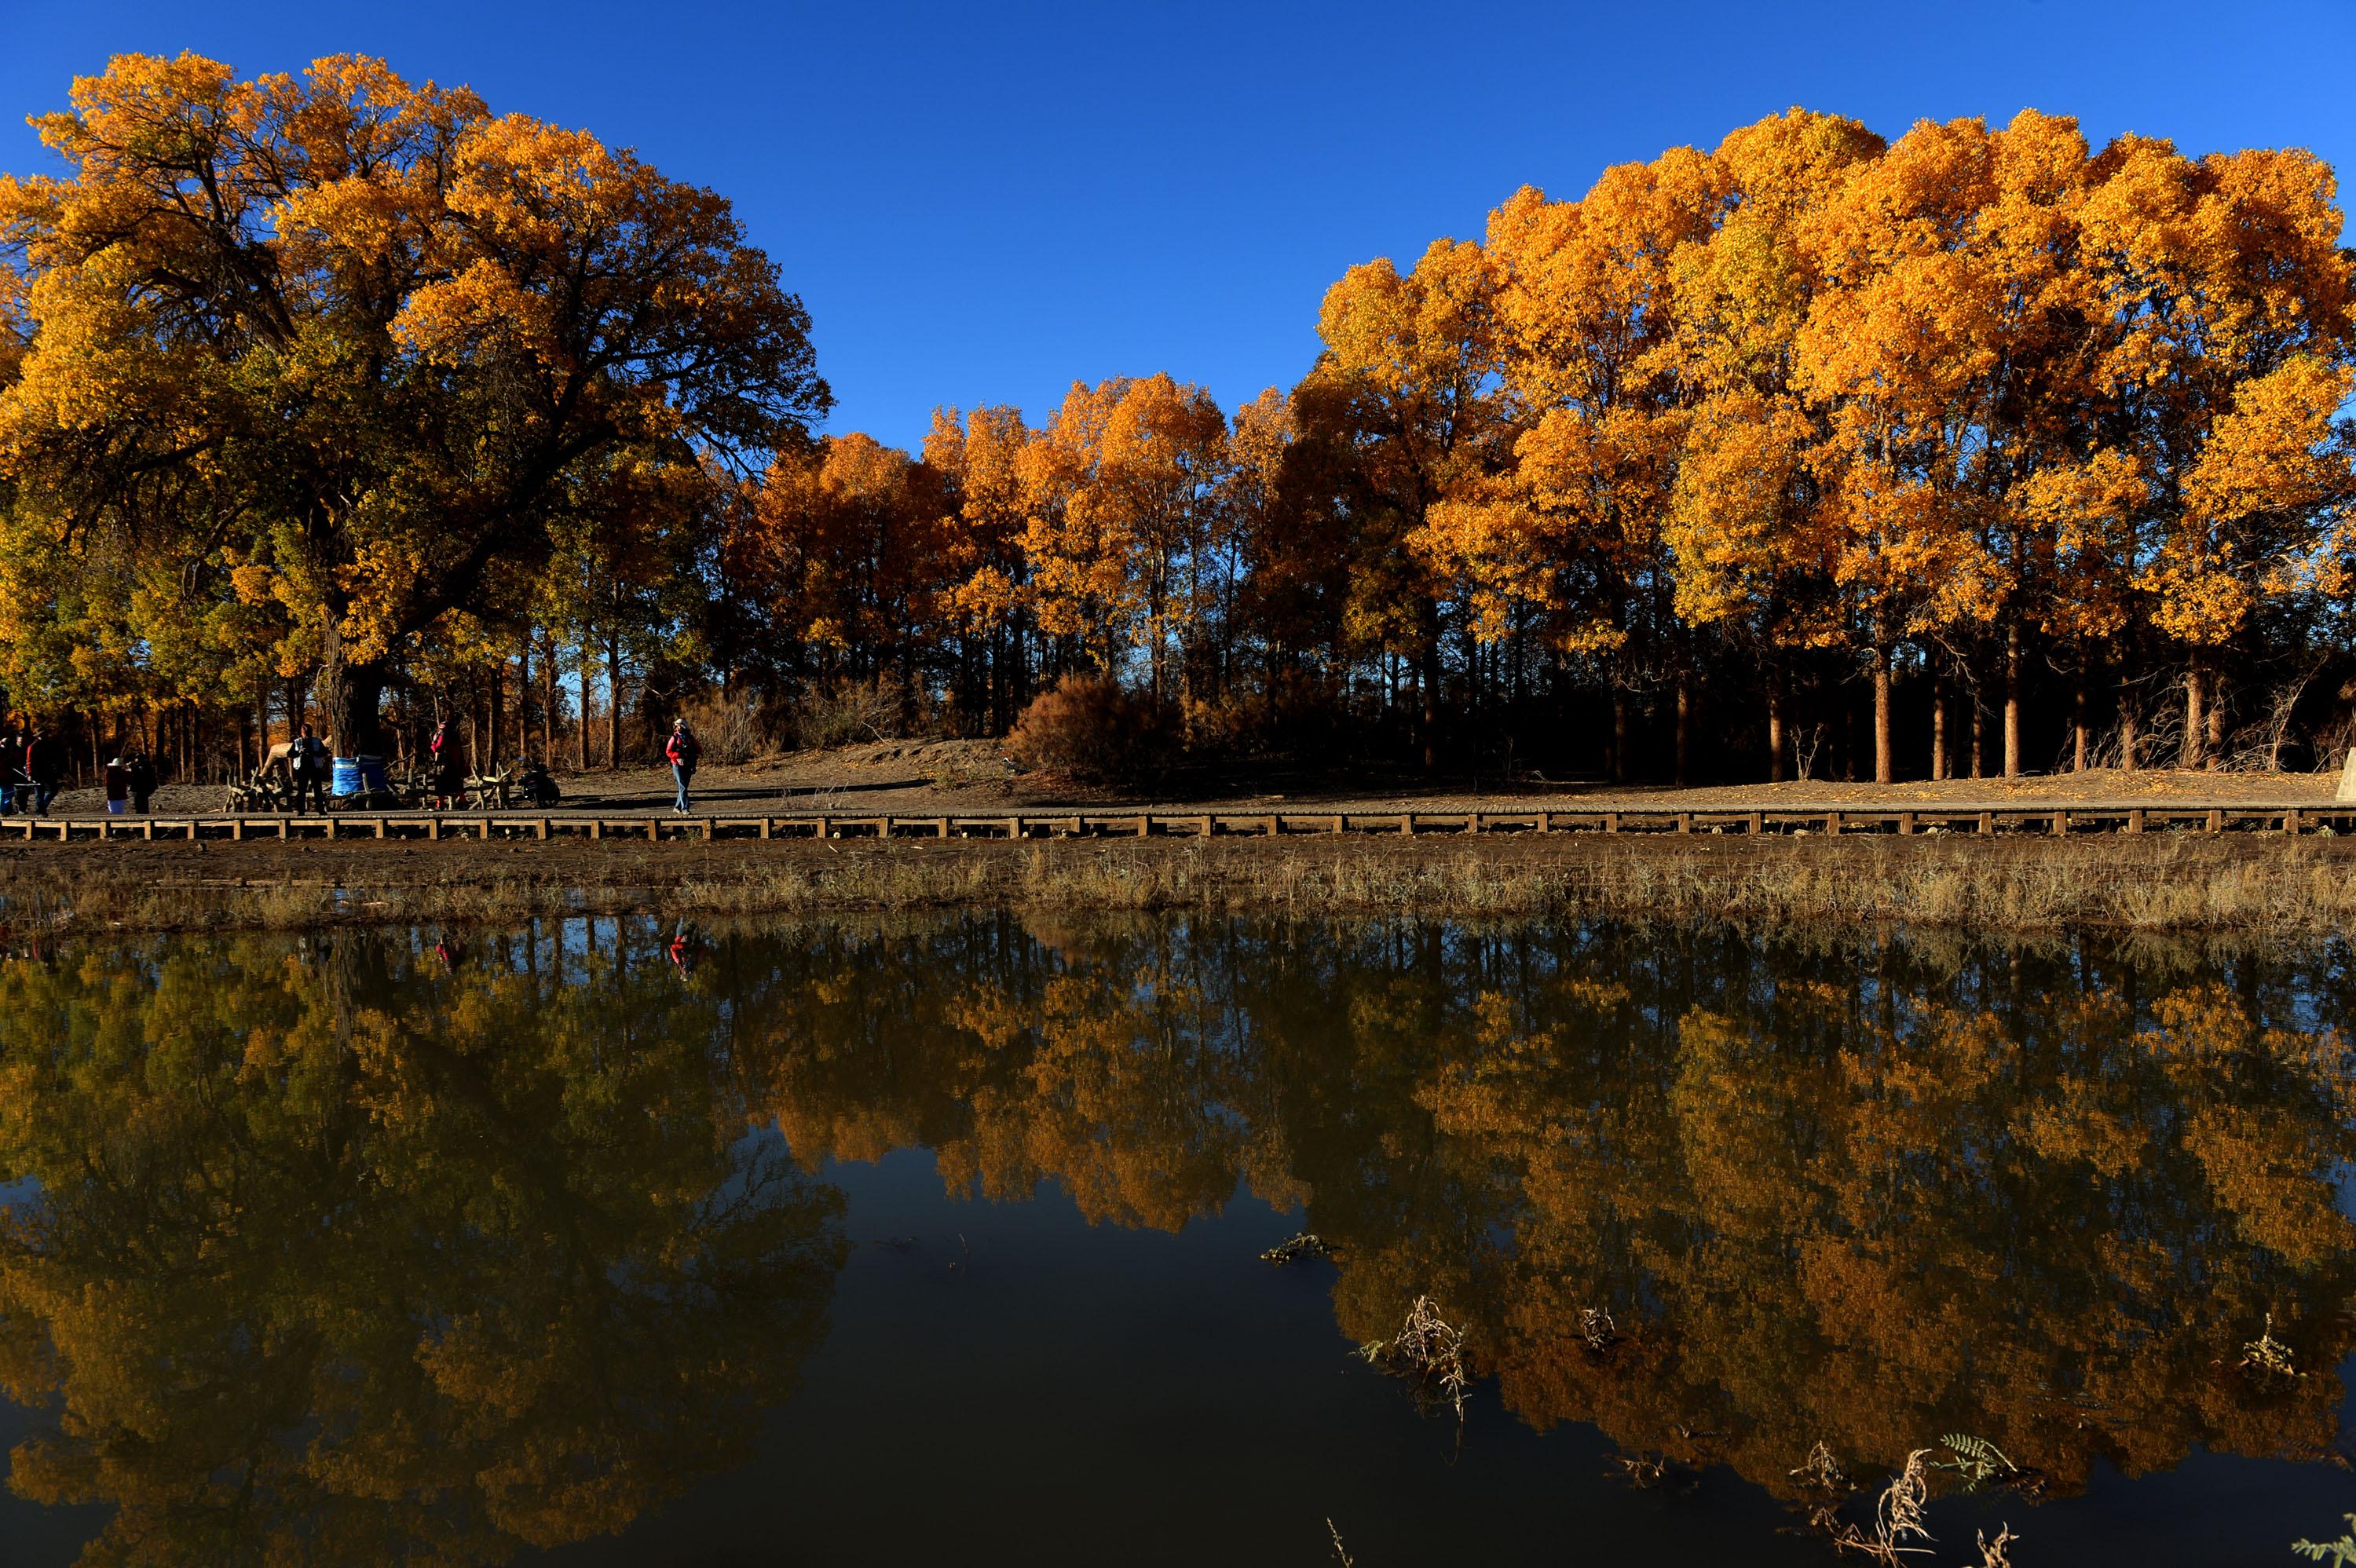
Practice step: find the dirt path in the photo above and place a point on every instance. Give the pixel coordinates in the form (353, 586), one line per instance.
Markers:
(920, 778)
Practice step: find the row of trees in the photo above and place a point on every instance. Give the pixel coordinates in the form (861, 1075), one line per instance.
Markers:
(1986, 407)
(347, 383)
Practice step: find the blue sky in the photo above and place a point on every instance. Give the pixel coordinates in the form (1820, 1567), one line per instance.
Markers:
(980, 203)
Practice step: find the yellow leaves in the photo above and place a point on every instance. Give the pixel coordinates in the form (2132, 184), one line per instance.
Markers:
(2275, 450)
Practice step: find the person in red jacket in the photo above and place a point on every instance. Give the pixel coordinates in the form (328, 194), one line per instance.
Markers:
(682, 750)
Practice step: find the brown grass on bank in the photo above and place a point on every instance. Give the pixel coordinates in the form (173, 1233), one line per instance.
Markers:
(2244, 885)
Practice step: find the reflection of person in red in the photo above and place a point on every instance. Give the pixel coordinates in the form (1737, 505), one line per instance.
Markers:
(683, 950)
(449, 952)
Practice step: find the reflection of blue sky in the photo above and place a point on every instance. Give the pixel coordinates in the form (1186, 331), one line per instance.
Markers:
(15, 1192)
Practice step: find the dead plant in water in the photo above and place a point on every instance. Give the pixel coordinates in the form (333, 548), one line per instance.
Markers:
(1292, 1250)
(2267, 1355)
(1820, 1471)
(1595, 1326)
(1340, 1550)
(1429, 1349)
(1992, 1552)
(1897, 1519)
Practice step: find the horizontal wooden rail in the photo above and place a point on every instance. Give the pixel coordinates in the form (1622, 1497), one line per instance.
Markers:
(1979, 818)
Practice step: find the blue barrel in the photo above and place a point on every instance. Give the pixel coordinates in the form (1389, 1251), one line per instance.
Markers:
(352, 775)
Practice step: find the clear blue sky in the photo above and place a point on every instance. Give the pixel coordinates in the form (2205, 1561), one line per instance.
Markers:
(980, 202)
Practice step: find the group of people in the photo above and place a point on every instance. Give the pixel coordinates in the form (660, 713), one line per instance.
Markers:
(32, 764)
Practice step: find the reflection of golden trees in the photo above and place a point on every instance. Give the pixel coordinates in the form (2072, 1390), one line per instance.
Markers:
(338, 1260)
(513, 1276)
(1869, 1203)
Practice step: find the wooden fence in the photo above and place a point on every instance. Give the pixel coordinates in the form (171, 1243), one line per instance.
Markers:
(1972, 819)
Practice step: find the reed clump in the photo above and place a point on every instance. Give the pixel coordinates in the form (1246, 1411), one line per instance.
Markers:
(2157, 885)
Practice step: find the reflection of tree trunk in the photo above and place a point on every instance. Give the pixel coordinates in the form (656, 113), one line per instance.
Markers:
(2012, 700)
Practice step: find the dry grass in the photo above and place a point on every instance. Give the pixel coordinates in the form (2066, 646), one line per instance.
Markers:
(2244, 885)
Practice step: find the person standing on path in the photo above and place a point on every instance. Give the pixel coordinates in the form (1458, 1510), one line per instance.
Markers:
(142, 781)
(682, 750)
(45, 764)
(443, 766)
(307, 763)
(117, 778)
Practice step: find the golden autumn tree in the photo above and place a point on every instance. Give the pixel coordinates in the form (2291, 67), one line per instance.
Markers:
(1587, 304)
(339, 343)
(839, 552)
(1408, 382)
(2227, 350)
(1748, 529)
(1126, 530)
(978, 459)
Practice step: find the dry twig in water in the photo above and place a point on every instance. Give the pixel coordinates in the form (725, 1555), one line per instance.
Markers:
(1429, 1349)
(1897, 1519)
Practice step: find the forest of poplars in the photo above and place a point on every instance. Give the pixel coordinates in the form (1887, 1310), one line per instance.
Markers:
(341, 399)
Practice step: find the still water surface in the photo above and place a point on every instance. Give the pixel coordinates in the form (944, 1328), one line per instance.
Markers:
(940, 1242)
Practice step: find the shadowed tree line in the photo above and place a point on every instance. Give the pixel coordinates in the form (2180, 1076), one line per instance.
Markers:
(334, 1244)
(1979, 451)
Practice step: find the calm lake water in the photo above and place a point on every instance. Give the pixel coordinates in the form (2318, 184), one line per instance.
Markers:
(895, 1243)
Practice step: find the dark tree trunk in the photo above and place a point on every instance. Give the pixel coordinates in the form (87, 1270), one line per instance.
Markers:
(1685, 725)
(612, 703)
(1885, 762)
(350, 694)
(2012, 700)
(2195, 728)
(1938, 719)
(1775, 745)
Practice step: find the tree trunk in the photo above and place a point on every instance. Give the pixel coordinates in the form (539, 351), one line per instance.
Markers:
(2078, 735)
(2195, 729)
(612, 703)
(2012, 700)
(1618, 735)
(1430, 681)
(1775, 726)
(2130, 740)
(1978, 735)
(2216, 716)
(1685, 725)
(548, 704)
(350, 694)
(1938, 721)
(1884, 761)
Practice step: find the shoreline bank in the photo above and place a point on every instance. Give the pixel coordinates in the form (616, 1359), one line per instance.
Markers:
(2252, 885)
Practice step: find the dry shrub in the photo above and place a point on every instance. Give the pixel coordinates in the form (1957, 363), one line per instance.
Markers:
(1090, 728)
(848, 713)
(728, 727)
(1294, 715)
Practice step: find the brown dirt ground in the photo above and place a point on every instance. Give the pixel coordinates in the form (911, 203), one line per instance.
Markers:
(919, 778)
